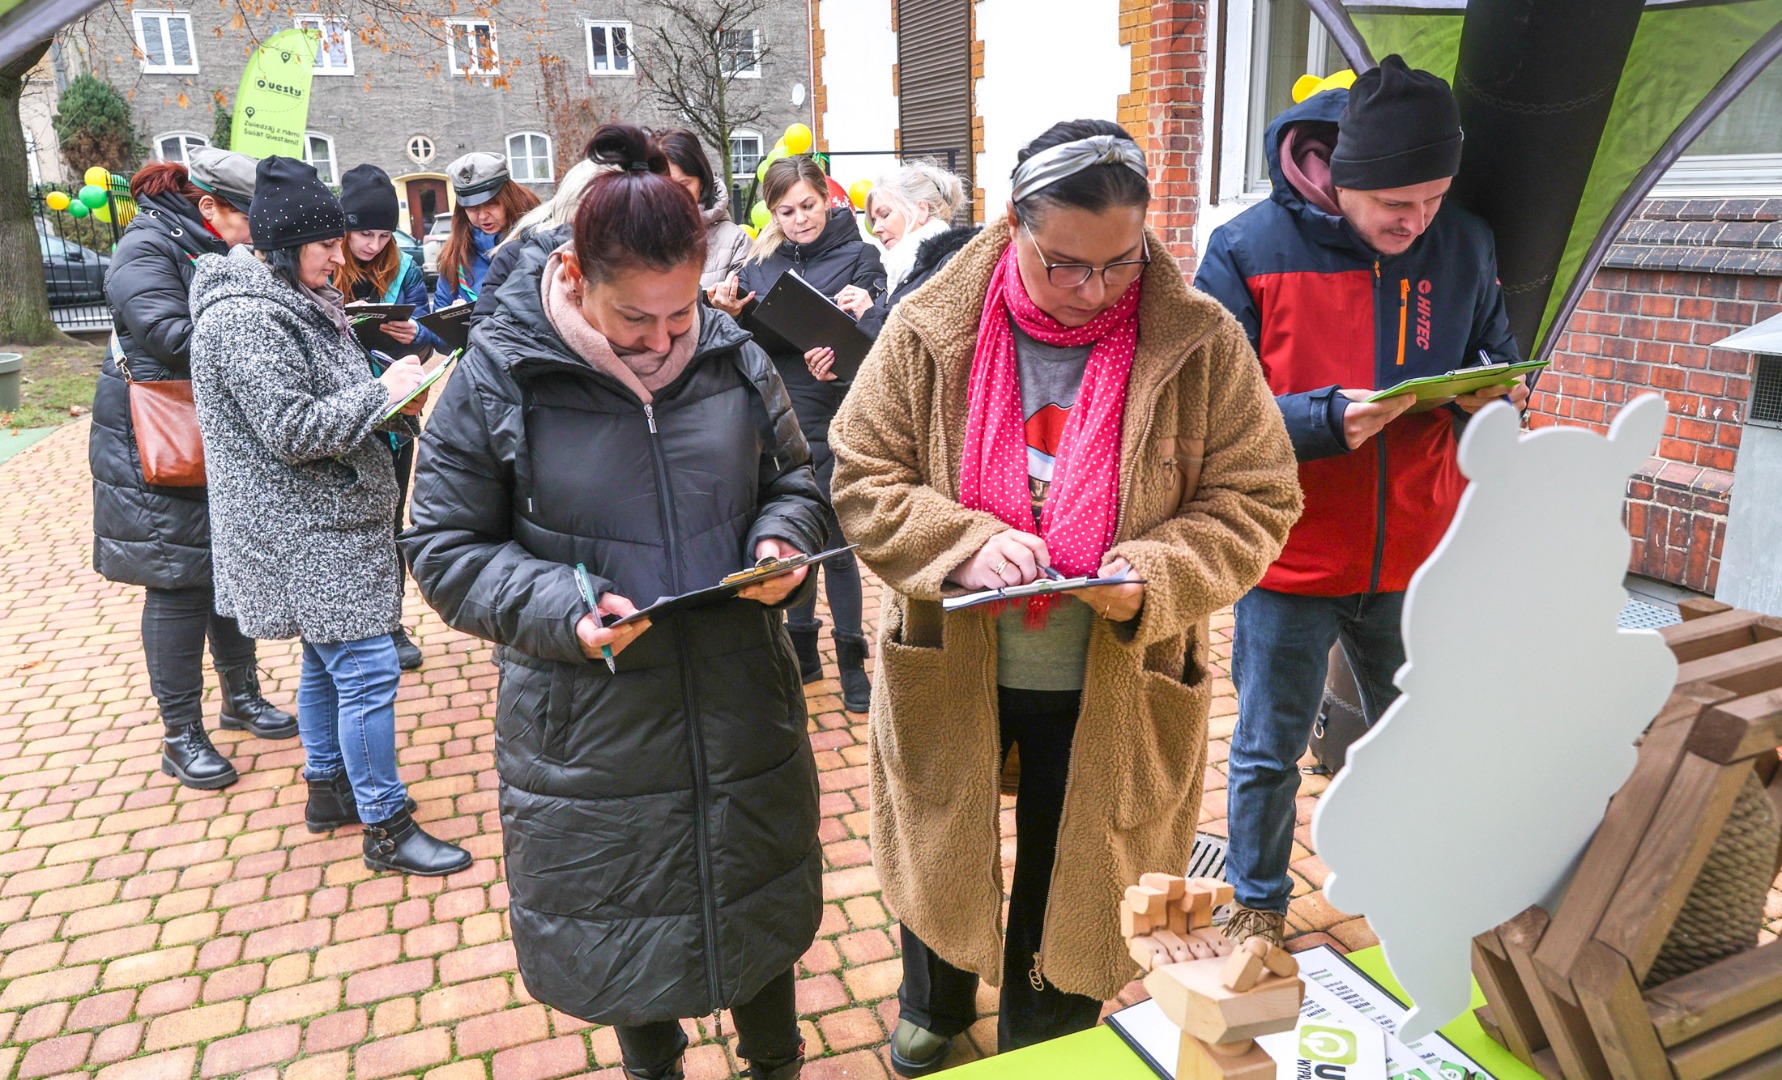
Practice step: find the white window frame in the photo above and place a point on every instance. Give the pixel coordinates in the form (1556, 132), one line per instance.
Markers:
(452, 58)
(322, 23)
(589, 26)
(736, 171)
(163, 17)
(184, 146)
(550, 158)
(753, 71)
(333, 177)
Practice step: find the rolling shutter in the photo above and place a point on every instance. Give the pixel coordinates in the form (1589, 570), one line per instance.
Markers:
(934, 81)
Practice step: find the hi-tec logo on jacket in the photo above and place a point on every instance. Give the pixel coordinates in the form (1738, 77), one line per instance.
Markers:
(1424, 310)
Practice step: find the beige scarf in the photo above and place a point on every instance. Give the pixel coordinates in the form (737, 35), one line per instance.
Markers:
(643, 373)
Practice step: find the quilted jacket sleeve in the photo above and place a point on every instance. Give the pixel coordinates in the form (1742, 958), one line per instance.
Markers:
(148, 286)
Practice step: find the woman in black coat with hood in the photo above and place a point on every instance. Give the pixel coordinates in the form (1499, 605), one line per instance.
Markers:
(825, 248)
(159, 537)
(658, 790)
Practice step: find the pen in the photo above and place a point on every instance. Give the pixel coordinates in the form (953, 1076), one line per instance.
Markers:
(1052, 572)
(587, 587)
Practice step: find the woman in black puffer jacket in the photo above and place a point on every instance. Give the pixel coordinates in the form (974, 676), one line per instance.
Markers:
(159, 537)
(825, 248)
(660, 817)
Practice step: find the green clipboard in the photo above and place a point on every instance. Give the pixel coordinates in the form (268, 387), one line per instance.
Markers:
(432, 377)
(1434, 389)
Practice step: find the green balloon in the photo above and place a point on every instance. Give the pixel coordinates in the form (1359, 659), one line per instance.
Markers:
(93, 195)
(758, 215)
(78, 210)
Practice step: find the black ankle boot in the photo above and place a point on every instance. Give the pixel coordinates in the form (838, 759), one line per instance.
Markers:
(397, 843)
(785, 1070)
(188, 756)
(245, 710)
(408, 654)
(804, 643)
(850, 657)
(331, 804)
(675, 1071)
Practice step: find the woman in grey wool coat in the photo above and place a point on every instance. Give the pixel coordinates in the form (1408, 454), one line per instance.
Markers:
(303, 498)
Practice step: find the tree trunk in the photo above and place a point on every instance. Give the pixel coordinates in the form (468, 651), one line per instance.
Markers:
(24, 304)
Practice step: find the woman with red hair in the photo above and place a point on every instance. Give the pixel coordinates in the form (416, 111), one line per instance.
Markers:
(159, 537)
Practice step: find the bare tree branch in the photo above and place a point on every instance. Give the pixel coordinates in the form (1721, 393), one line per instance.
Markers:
(692, 56)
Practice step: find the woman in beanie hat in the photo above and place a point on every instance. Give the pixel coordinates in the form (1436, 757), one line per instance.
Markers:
(302, 494)
(488, 204)
(159, 537)
(375, 270)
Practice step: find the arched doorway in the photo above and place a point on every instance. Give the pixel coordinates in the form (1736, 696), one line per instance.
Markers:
(425, 196)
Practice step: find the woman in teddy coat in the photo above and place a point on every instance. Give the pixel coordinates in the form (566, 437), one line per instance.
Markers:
(1056, 401)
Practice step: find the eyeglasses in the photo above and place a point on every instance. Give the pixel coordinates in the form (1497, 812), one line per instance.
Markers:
(1115, 275)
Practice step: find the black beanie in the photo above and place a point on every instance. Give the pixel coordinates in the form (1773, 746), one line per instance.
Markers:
(1401, 127)
(369, 200)
(292, 206)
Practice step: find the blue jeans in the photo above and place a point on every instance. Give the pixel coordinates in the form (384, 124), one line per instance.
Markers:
(1280, 656)
(346, 705)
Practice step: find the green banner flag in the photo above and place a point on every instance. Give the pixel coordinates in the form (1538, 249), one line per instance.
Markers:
(272, 106)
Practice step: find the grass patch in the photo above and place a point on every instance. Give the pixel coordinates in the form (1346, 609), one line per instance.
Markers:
(57, 378)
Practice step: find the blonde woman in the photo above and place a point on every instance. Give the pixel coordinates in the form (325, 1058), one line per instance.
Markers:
(911, 213)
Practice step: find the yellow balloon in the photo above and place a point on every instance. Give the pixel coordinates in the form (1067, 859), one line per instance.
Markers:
(56, 200)
(98, 176)
(751, 230)
(857, 193)
(797, 139)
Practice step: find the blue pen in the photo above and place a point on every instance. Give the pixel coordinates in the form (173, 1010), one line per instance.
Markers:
(587, 587)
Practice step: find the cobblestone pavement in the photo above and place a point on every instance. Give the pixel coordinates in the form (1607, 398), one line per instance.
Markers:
(148, 931)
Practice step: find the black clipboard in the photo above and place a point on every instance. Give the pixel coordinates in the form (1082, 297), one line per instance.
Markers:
(765, 570)
(793, 311)
(368, 320)
(450, 325)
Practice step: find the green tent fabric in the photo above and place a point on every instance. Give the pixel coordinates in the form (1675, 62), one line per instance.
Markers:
(24, 23)
(1572, 110)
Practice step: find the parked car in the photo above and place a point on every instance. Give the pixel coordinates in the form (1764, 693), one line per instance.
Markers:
(434, 241)
(74, 274)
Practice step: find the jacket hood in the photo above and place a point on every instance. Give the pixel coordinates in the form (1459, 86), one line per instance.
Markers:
(840, 230)
(174, 217)
(1321, 108)
(518, 335)
(715, 214)
(240, 273)
(942, 245)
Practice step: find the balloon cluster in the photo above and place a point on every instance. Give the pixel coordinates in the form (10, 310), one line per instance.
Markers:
(95, 197)
(798, 140)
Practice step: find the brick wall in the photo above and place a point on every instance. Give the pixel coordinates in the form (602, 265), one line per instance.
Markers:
(1163, 109)
(1652, 330)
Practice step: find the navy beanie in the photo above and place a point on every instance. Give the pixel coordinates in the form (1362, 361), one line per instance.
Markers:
(1401, 127)
(292, 206)
(369, 199)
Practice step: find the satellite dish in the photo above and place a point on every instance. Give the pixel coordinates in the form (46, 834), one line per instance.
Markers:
(798, 93)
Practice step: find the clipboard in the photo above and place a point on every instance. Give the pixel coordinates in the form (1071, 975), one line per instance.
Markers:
(1434, 389)
(1046, 586)
(451, 325)
(765, 570)
(432, 377)
(368, 321)
(793, 311)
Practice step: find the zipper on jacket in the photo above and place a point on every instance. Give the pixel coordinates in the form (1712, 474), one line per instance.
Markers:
(1380, 490)
(695, 740)
(1404, 311)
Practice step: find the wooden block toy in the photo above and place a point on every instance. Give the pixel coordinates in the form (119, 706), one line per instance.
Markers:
(1243, 967)
(1195, 999)
(1178, 918)
(1199, 949)
(1199, 904)
(1278, 961)
(1221, 945)
(1133, 923)
(1178, 949)
(1148, 953)
(1170, 885)
(1222, 891)
(1243, 1060)
(1151, 902)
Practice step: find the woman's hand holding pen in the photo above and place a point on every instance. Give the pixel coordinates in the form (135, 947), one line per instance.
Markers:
(1116, 603)
(723, 297)
(775, 590)
(854, 300)
(401, 378)
(1011, 557)
(594, 636)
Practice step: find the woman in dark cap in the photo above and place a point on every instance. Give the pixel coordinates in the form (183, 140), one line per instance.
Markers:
(302, 495)
(374, 269)
(159, 537)
(488, 205)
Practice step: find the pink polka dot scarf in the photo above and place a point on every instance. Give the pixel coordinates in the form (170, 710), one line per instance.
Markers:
(1082, 504)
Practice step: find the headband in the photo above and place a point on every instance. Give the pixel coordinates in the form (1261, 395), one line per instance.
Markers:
(1049, 166)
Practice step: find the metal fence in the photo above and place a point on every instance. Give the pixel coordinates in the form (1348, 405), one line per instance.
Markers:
(76, 250)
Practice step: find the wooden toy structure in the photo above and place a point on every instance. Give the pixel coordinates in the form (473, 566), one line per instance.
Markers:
(1567, 992)
(1220, 996)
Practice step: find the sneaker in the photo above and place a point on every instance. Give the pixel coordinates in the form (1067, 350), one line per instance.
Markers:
(408, 654)
(1246, 923)
(916, 1051)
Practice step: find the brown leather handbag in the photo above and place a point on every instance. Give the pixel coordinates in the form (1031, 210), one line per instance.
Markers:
(166, 422)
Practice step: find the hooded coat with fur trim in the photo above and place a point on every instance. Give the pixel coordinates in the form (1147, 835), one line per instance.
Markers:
(1207, 495)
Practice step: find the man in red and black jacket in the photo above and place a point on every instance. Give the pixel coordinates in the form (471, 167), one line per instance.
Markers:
(1352, 277)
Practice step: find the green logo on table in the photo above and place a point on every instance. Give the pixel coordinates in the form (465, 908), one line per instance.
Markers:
(1333, 1046)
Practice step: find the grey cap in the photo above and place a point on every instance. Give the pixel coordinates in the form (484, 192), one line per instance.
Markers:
(477, 177)
(223, 172)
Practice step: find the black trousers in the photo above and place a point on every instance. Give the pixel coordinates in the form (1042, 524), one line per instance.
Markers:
(943, 999)
(175, 625)
(766, 1032)
(841, 575)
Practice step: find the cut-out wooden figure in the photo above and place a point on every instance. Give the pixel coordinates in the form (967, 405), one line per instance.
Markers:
(1225, 997)
(1473, 796)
